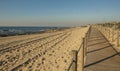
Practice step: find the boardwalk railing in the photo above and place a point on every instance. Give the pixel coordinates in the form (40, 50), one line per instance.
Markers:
(83, 47)
(111, 33)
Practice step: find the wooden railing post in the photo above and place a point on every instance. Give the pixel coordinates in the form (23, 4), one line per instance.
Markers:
(106, 32)
(85, 46)
(83, 54)
(103, 29)
(112, 35)
(75, 59)
(86, 39)
(117, 38)
(89, 32)
(109, 33)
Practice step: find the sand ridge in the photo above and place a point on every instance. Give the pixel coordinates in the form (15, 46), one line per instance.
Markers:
(40, 52)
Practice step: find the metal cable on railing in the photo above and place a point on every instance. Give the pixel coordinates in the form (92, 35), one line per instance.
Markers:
(73, 60)
(84, 46)
(80, 46)
(70, 65)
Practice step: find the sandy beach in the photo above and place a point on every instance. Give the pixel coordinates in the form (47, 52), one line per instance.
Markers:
(50, 51)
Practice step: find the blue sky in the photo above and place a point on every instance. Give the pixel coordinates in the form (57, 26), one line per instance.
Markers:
(58, 12)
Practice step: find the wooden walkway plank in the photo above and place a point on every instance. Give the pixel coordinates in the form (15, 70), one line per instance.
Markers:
(101, 56)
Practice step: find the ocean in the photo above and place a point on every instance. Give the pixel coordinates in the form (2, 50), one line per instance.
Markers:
(9, 31)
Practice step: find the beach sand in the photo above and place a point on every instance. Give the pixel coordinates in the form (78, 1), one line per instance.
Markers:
(50, 51)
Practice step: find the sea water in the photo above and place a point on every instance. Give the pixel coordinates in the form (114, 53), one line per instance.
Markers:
(6, 31)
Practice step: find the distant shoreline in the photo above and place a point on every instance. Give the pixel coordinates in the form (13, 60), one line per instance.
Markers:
(35, 32)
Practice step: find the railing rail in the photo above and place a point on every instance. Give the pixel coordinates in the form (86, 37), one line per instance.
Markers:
(83, 46)
(70, 65)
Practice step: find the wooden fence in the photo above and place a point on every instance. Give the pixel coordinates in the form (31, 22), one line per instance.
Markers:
(83, 47)
(111, 33)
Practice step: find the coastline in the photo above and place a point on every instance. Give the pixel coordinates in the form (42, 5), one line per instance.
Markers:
(46, 51)
(31, 32)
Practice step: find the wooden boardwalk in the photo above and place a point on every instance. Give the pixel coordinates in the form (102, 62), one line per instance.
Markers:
(101, 56)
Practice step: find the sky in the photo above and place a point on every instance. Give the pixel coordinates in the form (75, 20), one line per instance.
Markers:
(58, 12)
